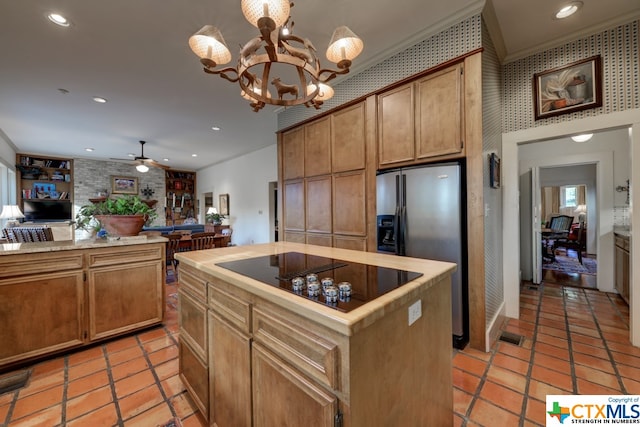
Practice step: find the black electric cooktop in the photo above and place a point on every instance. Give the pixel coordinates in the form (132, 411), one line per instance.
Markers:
(368, 281)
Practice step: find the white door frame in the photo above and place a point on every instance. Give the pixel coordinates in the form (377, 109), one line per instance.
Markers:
(511, 215)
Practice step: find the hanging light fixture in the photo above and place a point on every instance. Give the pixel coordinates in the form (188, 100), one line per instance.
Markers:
(276, 44)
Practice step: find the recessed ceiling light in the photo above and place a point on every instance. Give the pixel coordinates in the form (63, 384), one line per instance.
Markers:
(582, 138)
(89, 149)
(194, 155)
(568, 9)
(165, 160)
(99, 99)
(215, 127)
(58, 19)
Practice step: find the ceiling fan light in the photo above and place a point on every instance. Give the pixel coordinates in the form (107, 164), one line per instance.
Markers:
(582, 138)
(344, 44)
(142, 168)
(208, 43)
(278, 10)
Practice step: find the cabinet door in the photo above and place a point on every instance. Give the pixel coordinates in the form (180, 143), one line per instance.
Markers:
(306, 404)
(40, 314)
(396, 129)
(293, 154)
(193, 323)
(318, 204)
(349, 204)
(348, 139)
(125, 297)
(294, 206)
(439, 113)
(194, 375)
(317, 146)
(229, 375)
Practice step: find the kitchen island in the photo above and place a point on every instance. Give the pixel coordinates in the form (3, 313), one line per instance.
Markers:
(60, 295)
(253, 351)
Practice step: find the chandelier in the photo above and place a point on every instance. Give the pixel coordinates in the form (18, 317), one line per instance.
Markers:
(276, 49)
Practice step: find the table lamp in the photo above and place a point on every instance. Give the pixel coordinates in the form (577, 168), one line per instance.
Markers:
(581, 210)
(11, 213)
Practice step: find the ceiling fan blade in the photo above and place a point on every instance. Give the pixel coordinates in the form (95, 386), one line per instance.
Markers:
(155, 164)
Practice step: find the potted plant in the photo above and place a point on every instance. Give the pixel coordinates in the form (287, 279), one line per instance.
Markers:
(122, 216)
(213, 216)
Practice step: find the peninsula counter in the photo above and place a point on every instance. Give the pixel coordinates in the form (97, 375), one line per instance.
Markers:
(60, 295)
(255, 354)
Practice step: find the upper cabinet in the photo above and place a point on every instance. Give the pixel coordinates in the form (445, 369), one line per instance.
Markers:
(317, 148)
(422, 120)
(293, 154)
(348, 138)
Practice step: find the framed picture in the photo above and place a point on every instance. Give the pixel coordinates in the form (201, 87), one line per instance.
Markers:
(573, 87)
(224, 204)
(494, 170)
(124, 184)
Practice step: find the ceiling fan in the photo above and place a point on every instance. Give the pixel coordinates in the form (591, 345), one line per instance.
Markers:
(142, 162)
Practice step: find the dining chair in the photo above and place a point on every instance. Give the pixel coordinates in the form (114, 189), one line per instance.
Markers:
(200, 241)
(173, 246)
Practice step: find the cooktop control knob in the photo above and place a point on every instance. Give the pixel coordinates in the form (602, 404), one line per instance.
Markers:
(345, 289)
(297, 284)
(331, 294)
(313, 289)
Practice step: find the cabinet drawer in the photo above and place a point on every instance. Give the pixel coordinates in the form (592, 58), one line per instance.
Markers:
(37, 263)
(231, 308)
(193, 324)
(311, 354)
(622, 242)
(125, 255)
(192, 283)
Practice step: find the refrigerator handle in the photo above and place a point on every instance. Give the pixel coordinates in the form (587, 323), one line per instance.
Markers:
(396, 220)
(403, 217)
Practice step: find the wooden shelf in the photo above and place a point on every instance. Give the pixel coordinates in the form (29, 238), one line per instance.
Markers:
(34, 174)
(182, 185)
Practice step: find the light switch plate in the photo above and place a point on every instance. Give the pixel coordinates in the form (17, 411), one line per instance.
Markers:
(415, 312)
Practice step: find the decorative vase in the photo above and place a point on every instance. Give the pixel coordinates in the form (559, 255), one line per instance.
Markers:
(122, 225)
(218, 222)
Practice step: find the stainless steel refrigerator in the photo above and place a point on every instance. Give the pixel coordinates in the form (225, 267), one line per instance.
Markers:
(420, 213)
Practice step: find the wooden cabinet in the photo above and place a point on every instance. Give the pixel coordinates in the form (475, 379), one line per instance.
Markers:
(422, 120)
(622, 265)
(43, 180)
(318, 163)
(180, 196)
(58, 299)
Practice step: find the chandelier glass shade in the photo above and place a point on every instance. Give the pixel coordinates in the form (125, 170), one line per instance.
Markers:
(276, 67)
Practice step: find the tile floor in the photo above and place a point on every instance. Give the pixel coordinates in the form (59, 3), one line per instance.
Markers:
(575, 341)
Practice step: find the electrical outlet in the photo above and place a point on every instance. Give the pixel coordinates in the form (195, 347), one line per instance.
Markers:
(415, 312)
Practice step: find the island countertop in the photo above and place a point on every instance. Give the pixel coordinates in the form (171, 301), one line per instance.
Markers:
(344, 323)
(69, 245)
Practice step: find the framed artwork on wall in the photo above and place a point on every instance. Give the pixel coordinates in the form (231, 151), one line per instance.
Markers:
(124, 184)
(224, 204)
(573, 87)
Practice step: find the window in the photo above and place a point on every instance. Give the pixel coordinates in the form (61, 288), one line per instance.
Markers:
(569, 196)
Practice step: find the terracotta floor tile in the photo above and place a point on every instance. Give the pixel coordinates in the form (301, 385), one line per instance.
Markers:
(84, 356)
(632, 385)
(88, 383)
(551, 350)
(560, 343)
(129, 368)
(167, 369)
(540, 390)
(155, 416)
(121, 344)
(88, 402)
(624, 348)
(554, 378)
(590, 350)
(626, 359)
(87, 368)
(511, 363)
(152, 334)
(555, 332)
(47, 367)
(140, 401)
(158, 344)
(551, 362)
(51, 416)
(461, 401)
(514, 351)
(469, 364)
(584, 331)
(163, 355)
(621, 336)
(125, 355)
(588, 387)
(584, 339)
(557, 324)
(507, 378)
(37, 402)
(4, 411)
(194, 420)
(629, 371)
(104, 416)
(134, 383)
(458, 421)
(488, 414)
(502, 397)
(594, 362)
(183, 405)
(173, 386)
(525, 332)
(477, 354)
(43, 382)
(596, 376)
(536, 411)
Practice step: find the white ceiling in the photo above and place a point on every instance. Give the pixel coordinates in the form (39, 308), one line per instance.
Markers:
(135, 54)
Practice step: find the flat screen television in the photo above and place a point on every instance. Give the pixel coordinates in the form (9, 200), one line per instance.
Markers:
(47, 210)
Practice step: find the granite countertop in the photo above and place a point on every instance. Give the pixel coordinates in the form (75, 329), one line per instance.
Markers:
(345, 323)
(68, 245)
